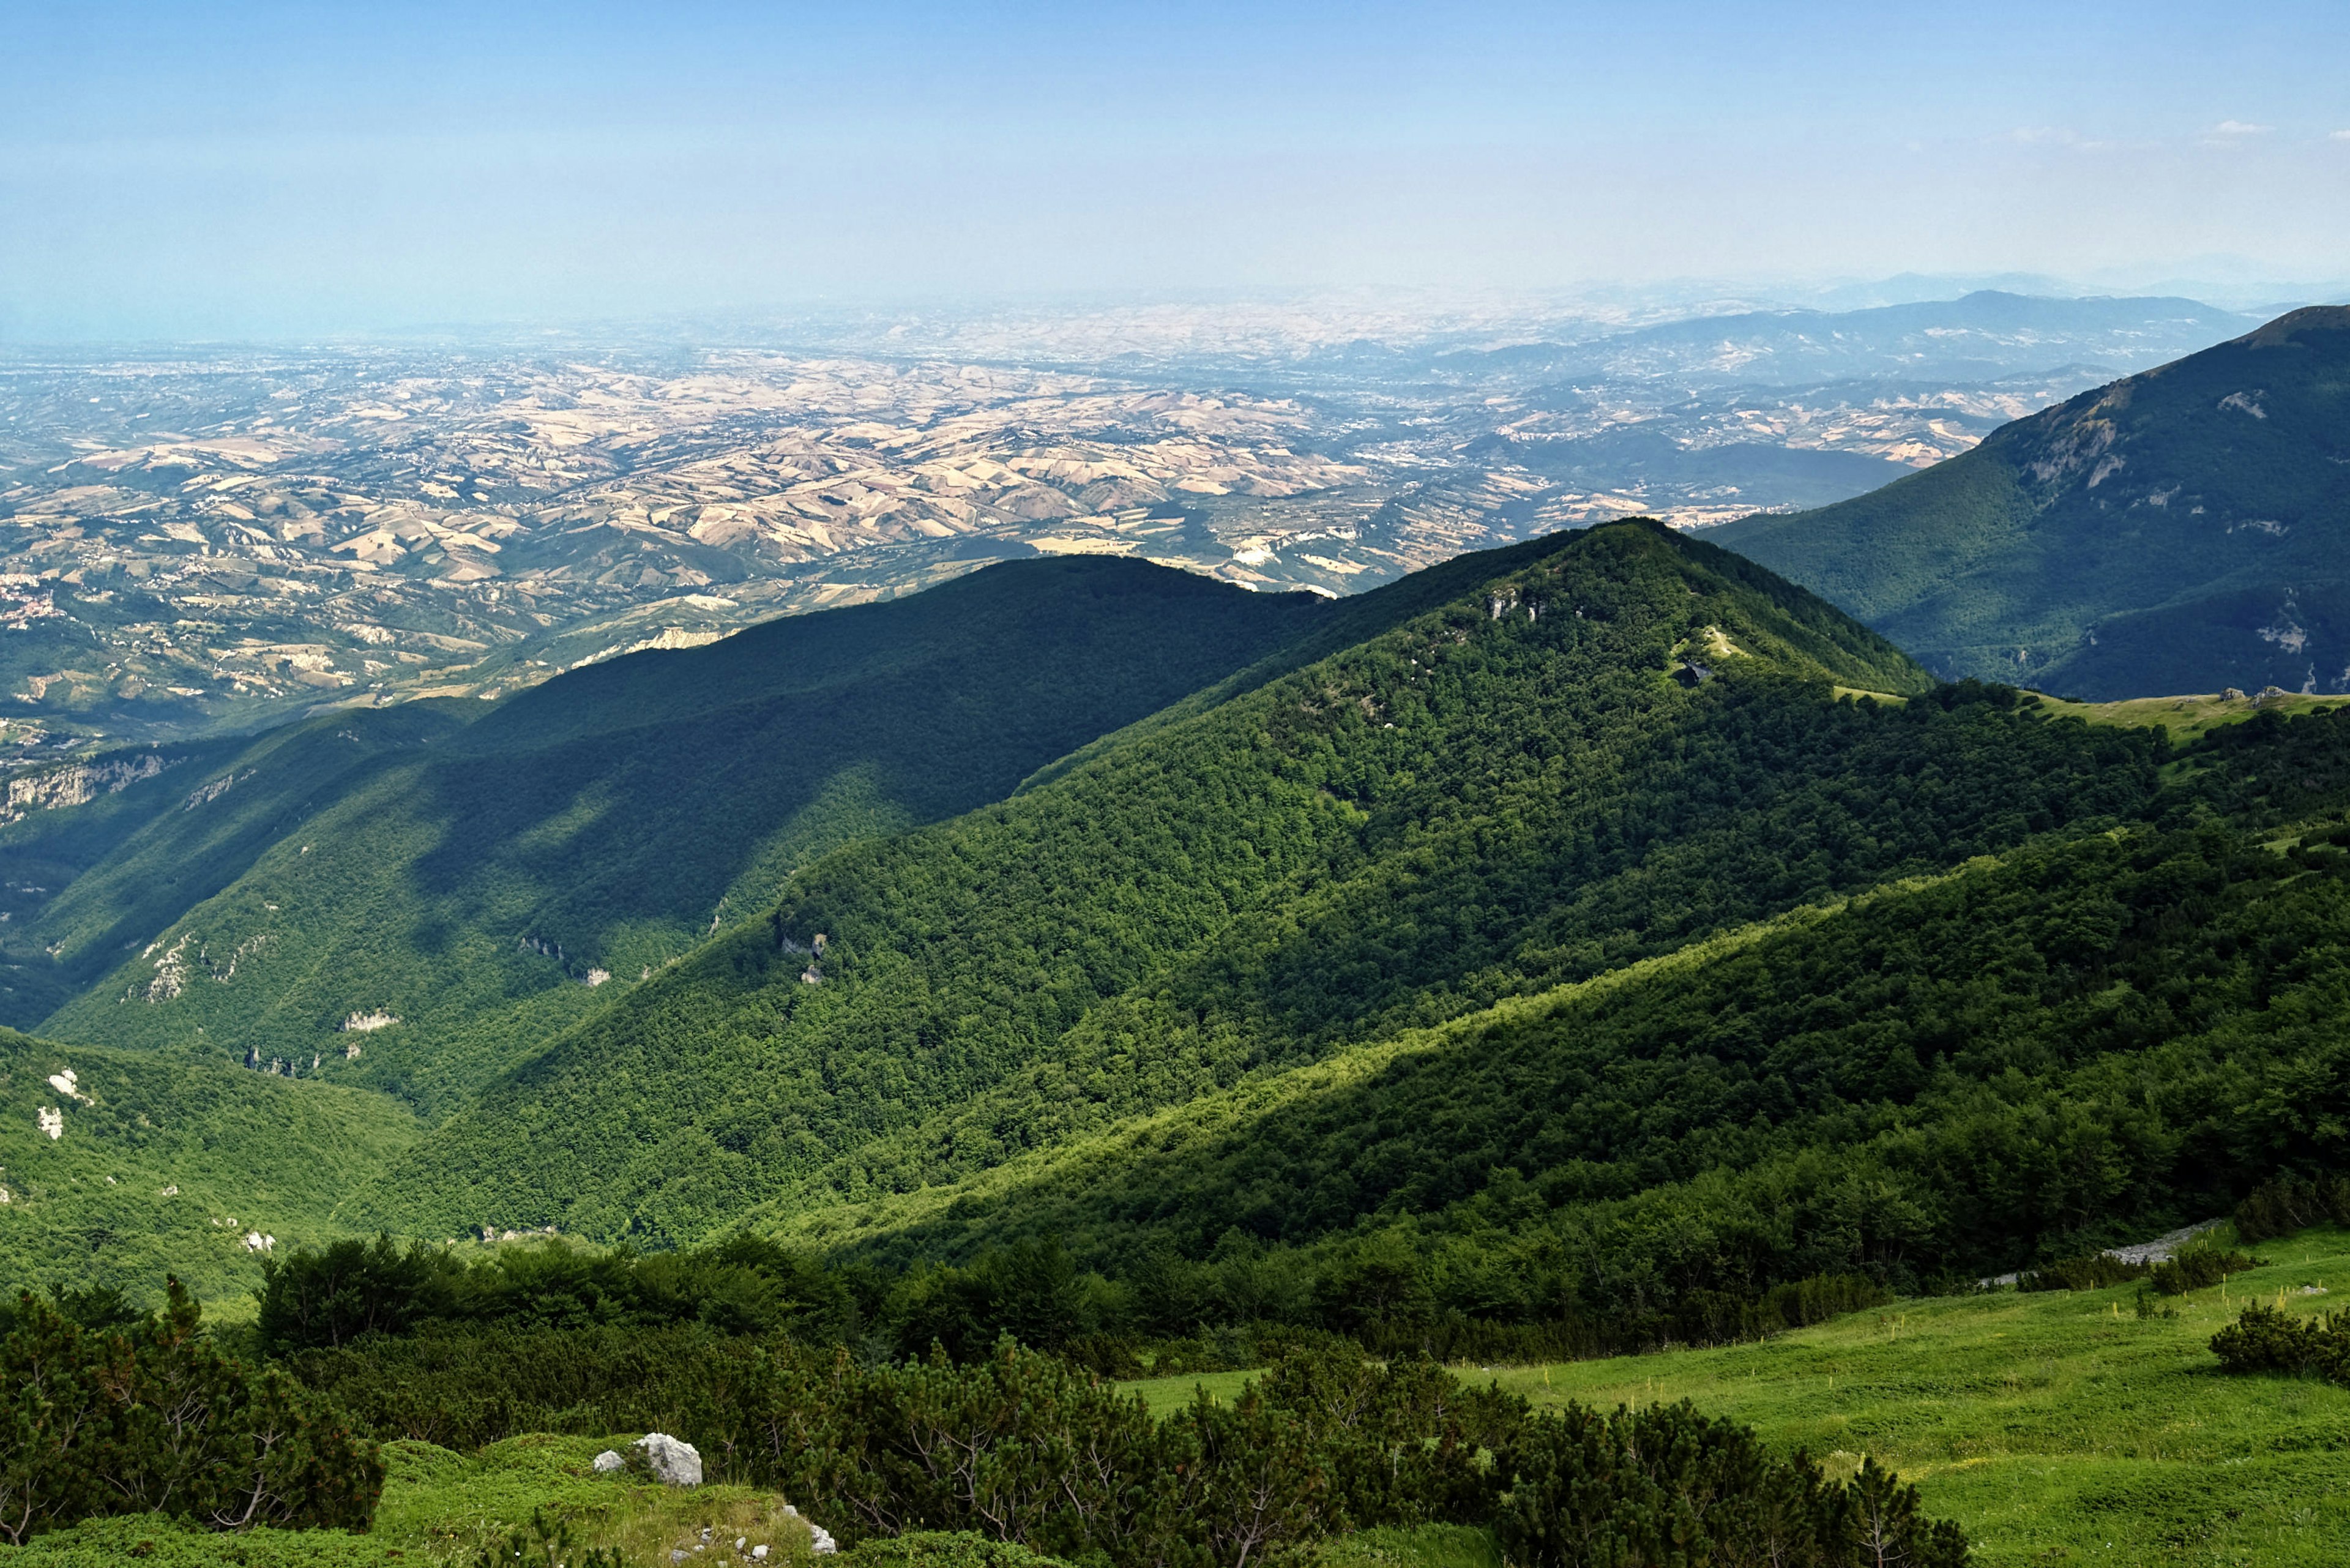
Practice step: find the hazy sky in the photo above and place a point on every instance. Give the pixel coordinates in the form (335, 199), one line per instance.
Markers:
(241, 168)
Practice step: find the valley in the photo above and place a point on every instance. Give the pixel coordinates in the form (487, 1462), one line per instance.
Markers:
(207, 542)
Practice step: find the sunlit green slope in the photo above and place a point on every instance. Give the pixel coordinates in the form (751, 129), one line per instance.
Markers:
(160, 1165)
(2080, 1042)
(2054, 1428)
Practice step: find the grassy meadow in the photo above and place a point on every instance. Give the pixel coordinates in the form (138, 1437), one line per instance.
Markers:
(2055, 1426)
(2185, 717)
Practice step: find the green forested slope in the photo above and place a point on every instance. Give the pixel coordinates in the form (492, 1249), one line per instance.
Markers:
(2182, 530)
(473, 882)
(166, 1166)
(1493, 796)
(2081, 1043)
(86, 882)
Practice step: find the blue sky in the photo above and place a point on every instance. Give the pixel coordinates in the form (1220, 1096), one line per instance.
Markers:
(202, 169)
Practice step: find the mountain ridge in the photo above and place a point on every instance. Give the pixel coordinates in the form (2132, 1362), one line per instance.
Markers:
(483, 889)
(1239, 892)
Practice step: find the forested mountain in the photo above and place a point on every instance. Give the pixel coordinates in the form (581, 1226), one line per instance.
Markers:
(2182, 530)
(409, 900)
(1613, 746)
(1580, 940)
(2090, 1038)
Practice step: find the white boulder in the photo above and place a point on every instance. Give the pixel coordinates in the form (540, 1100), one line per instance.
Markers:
(609, 1461)
(675, 1462)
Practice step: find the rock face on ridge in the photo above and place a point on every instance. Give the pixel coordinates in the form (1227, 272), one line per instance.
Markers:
(2182, 530)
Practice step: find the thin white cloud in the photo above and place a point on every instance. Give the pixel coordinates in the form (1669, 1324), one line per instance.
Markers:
(2339, 136)
(2240, 128)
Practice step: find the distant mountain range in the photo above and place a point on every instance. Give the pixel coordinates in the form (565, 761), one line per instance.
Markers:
(2182, 530)
(1982, 336)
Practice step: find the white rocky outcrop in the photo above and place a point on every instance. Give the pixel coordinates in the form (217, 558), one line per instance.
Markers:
(77, 784)
(609, 1461)
(366, 1024)
(52, 1122)
(672, 1461)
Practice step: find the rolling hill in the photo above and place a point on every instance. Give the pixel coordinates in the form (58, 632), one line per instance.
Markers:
(2182, 530)
(2078, 1042)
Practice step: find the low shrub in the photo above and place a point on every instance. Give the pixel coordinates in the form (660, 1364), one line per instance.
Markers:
(2266, 1340)
(1030, 1449)
(1668, 1486)
(154, 1419)
(945, 1548)
(2293, 1203)
(150, 1541)
(544, 1543)
(2197, 1269)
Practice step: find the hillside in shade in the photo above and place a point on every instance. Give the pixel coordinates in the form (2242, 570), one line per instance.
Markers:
(2183, 530)
(485, 877)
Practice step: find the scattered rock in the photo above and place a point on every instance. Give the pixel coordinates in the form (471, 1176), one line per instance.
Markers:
(52, 1121)
(2158, 1250)
(2231, 695)
(609, 1461)
(673, 1462)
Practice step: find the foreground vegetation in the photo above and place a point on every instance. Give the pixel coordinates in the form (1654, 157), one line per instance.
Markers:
(151, 1421)
(2053, 1426)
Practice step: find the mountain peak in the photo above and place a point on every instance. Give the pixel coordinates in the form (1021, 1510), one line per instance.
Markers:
(2297, 327)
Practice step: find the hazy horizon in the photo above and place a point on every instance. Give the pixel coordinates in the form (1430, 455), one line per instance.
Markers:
(169, 172)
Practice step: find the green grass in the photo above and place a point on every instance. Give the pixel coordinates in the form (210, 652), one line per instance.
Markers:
(441, 1506)
(441, 1509)
(1429, 1546)
(2055, 1427)
(2185, 717)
